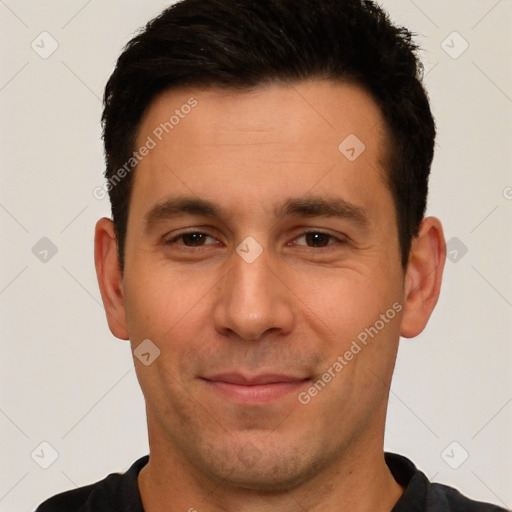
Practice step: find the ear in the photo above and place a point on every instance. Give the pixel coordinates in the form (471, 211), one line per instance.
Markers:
(110, 277)
(423, 277)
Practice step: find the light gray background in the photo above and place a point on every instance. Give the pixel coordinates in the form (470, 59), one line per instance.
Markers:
(67, 381)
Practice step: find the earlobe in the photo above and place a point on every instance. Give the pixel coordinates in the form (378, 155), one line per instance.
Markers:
(110, 278)
(423, 277)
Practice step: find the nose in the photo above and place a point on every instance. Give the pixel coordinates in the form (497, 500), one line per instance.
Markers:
(253, 300)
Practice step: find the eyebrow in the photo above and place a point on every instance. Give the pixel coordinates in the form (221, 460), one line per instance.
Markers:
(314, 206)
(182, 206)
(311, 206)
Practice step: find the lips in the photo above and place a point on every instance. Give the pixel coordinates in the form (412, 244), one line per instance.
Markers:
(237, 378)
(254, 389)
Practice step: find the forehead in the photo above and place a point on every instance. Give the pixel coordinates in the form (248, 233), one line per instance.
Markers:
(323, 108)
(298, 138)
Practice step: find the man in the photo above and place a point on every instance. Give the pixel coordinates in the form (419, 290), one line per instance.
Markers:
(267, 164)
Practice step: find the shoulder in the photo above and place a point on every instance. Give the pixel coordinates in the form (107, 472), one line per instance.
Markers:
(420, 495)
(77, 500)
(115, 492)
(443, 497)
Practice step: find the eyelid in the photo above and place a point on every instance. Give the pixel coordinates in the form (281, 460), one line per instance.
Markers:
(173, 238)
(339, 237)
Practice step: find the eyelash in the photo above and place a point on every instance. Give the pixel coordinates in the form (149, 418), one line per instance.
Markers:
(174, 240)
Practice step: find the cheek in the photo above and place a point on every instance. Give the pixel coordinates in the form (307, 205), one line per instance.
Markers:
(345, 300)
(343, 313)
(160, 300)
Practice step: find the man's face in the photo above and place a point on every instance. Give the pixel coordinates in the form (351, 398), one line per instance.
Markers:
(257, 252)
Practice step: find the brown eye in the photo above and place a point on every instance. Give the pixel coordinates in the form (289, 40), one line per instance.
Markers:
(317, 239)
(193, 239)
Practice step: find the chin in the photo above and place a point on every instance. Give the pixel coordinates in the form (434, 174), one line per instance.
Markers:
(262, 469)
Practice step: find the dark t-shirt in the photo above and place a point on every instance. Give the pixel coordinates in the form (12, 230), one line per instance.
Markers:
(120, 493)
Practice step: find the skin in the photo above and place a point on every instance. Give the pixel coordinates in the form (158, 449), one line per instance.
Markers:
(293, 310)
